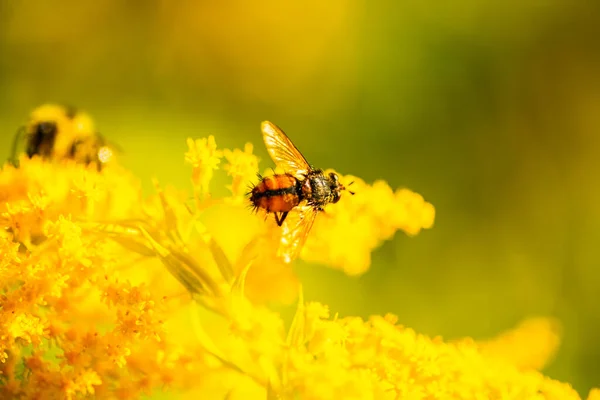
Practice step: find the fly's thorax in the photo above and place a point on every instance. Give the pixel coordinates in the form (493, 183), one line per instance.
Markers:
(316, 189)
(320, 189)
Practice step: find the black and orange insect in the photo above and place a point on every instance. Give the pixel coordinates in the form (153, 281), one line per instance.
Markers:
(301, 190)
(57, 132)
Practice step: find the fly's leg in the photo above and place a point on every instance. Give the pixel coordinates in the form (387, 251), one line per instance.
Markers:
(281, 218)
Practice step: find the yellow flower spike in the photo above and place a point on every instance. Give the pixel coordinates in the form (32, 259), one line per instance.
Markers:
(39, 201)
(594, 394)
(38, 191)
(315, 314)
(63, 288)
(347, 232)
(26, 327)
(17, 218)
(10, 259)
(531, 345)
(68, 236)
(205, 158)
(327, 339)
(82, 385)
(413, 213)
(98, 331)
(242, 167)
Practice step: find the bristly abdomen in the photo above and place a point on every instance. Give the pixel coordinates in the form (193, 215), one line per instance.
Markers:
(277, 193)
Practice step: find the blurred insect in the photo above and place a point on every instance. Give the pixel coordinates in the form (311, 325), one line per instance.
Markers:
(57, 132)
(301, 188)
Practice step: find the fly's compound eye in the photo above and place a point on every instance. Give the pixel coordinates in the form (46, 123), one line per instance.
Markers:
(336, 197)
(334, 185)
(334, 178)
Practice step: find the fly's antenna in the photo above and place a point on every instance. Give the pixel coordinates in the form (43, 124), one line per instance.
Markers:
(350, 191)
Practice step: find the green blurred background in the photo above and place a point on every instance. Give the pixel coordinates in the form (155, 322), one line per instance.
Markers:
(491, 110)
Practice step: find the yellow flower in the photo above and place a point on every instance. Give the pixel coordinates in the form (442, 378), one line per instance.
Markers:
(39, 191)
(242, 167)
(348, 231)
(531, 345)
(26, 327)
(204, 158)
(66, 289)
(83, 384)
(594, 394)
(97, 288)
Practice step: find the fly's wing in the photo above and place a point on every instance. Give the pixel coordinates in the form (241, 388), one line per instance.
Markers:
(295, 231)
(283, 152)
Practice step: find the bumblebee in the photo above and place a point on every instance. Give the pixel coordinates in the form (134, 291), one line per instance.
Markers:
(301, 188)
(57, 132)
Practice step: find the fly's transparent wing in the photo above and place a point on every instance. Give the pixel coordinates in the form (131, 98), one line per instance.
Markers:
(294, 232)
(282, 150)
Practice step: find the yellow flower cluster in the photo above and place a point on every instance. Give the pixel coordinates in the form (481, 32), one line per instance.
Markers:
(350, 230)
(72, 320)
(96, 286)
(530, 346)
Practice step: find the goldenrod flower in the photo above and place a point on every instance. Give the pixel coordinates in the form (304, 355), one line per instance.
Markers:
(530, 346)
(89, 306)
(242, 167)
(205, 158)
(74, 318)
(594, 394)
(346, 234)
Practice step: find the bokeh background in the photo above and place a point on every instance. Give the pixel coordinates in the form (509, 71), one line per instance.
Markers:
(491, 110)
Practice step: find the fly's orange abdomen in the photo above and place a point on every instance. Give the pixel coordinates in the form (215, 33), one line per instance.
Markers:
(281, 202)
(280, 181)
(277, 193)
